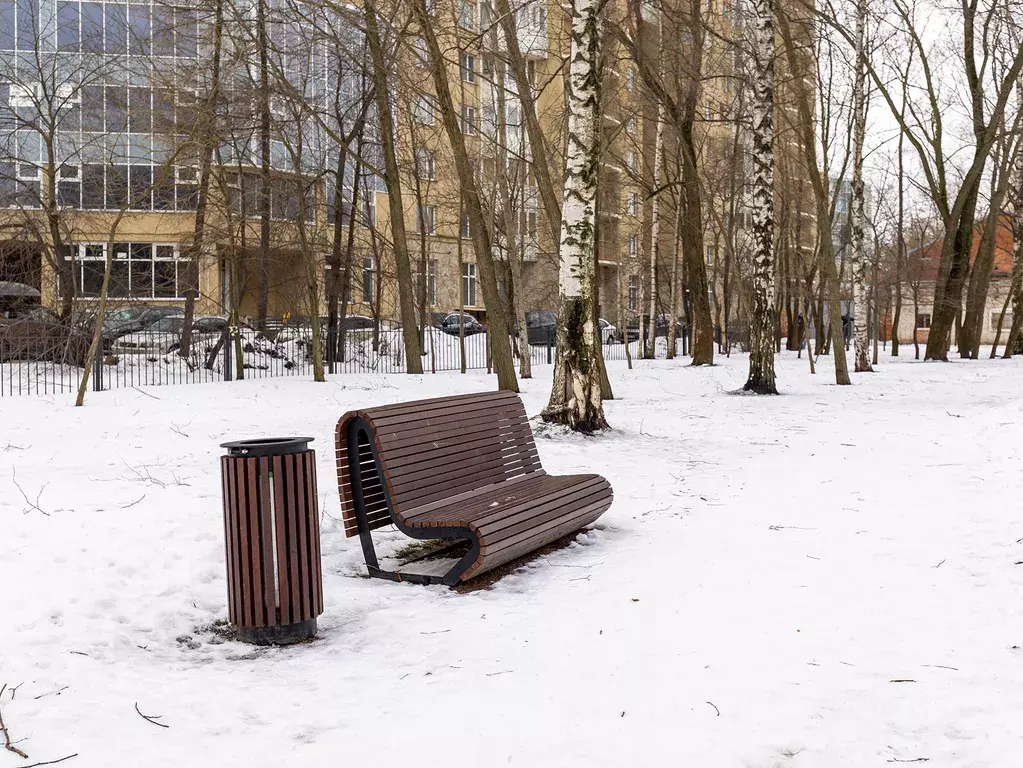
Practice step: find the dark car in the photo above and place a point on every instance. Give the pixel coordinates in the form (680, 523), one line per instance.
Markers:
(660, 327)
(541, 326)
(120, 322)
(470, 325)
(40, 335)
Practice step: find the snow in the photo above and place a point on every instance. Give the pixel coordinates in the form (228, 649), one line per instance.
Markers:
(744, 602)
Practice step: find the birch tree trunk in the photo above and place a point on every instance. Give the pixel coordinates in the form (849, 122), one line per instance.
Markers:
(858, 266)
(673, 301)
(762, 316)
(655, 235)
(576, 394)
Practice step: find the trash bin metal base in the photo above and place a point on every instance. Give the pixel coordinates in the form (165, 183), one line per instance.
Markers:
(289, 634)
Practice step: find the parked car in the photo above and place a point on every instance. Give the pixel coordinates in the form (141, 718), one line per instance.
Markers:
(165, 335)
(40, 335)
(120, 322)
(541, 326)
(470, 325)
(609, 334)
(660, 327)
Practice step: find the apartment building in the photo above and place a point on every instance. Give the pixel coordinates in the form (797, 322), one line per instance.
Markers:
(100, 104)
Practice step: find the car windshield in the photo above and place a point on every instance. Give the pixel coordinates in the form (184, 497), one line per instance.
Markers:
(167, 325)
(122, 314)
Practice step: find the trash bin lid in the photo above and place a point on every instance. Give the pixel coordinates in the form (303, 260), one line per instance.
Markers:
(267, 446)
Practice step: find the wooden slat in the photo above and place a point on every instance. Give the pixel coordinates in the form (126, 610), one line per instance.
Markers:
(564, 496)
(294, 580)
(460, 510)
(427, 430)
(314, 532)
(230, 518)
(542, 528)
(497, 464)
(301, 493)
(245, 576)
(535, 518)
(266, 526)
(283, 575)
(252, 521)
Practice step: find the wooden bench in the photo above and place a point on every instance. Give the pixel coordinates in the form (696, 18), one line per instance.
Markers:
(463, 468)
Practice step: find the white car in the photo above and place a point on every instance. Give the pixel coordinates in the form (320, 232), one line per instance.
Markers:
(165, 335)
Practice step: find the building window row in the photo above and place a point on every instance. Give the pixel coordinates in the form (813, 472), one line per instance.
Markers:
(99, 27)
(138, 271)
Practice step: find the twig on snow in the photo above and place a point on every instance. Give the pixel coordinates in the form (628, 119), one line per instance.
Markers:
(504, 672)
(51, 693)
(50, 762)
(145, 393)
(436, 632)
(939, 564)
(902, 681)
(14, 690)
(941, 666)
(910, 760)
(31, 506)
(150, 718)
(715, 707)
(137, 501)
(174, 428)
(7, 736)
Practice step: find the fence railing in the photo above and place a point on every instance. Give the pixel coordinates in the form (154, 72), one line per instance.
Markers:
(33, 364)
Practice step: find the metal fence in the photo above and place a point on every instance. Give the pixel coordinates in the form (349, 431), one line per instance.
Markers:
(38, 364)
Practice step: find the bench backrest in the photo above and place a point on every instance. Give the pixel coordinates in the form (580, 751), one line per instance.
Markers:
(431, 450)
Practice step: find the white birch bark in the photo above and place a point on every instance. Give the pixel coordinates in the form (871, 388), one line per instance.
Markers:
(858, 257)
(575, 396)
(655, 231)
(762, 316)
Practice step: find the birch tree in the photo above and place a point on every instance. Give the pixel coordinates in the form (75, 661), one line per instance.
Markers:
(576, 399)
(762, 316)
(858, 257)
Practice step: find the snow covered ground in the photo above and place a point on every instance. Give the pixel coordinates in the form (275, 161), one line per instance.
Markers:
(828, 578)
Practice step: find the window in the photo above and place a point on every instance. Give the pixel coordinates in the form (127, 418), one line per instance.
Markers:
(708, 111)
(138, 270)
(426, 168)
(630, 125)
(631, 204)
(426, 219)
(468, 68)
(531, 223)
(923, 320)
(630, 79)
(633, 245)
(422, 110)
(633, 293)
(468, 284)
(632, 161)
(1006, 320)
(468, 120)
(68, 34)
(467, 14)
(486, 14)
(531, 71)
(710, 255)
(116, 18)
(466, 231)
(367, 280)
(431, 283)
(487, 66)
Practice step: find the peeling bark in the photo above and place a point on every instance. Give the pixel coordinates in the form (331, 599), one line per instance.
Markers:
(576, 399)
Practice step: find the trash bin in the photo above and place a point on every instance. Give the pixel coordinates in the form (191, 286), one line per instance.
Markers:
(271, 527)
